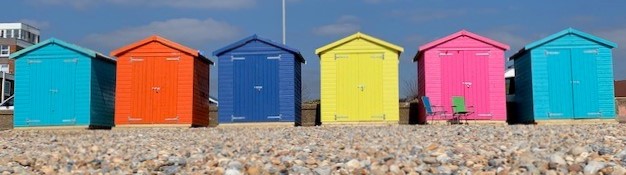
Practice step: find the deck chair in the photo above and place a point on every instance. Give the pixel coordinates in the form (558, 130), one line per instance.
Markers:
(460, 110)
(432, 110)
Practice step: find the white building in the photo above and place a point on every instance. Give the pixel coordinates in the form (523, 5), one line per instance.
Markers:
(26, 34)
(13, 37)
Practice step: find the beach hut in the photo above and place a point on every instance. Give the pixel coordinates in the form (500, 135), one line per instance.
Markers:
(467, 65)
(62, 84)
(259, 81)
(161, 82)
(568, 75)
(359, 80)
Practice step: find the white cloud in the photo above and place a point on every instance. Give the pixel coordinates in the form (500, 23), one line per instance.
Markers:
(344, 25)
(184, 30)
(199, 4)
(36, 23)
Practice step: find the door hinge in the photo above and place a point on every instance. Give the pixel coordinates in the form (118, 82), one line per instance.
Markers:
(132, 59)
(34, 61)
(173, 59)
(54, 90)
(275, 57)
(134, 119)
(594, 113)
(233, 58)
(483, 54)
(383, 117)
(592, 51)
(340, 117)
(552, 52)
(550, 114)
(28, 121)
(445, 54)
(279, 117)
(70, 60)
(233, 118)
(575, 82)
(172, 119)
(69, 120)
(339, 56)
(376, 56)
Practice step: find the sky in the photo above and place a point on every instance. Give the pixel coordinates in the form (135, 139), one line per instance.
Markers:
(207, 25)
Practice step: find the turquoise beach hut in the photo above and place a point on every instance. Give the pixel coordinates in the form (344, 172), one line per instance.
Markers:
(61, 84)
(568, 75)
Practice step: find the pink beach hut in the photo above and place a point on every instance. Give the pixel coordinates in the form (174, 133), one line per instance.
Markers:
(463, 64)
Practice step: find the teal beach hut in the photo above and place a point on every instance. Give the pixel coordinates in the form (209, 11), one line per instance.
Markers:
(61, 84)
(568, 75)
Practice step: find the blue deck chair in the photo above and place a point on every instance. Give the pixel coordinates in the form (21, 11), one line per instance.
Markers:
(432, 110)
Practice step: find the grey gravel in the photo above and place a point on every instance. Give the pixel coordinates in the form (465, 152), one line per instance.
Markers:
(433, 149)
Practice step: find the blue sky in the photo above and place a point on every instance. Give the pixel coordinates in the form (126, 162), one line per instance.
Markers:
(207, 25)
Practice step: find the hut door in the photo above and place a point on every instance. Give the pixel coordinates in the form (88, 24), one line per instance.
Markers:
(476, 83)
(165, 90)
(452, 78)
(348, 87)
(585, 83)
(559, 82)
(40, 86)
(243, 92)
(370, 87)
(63, 92)
(256, 88)
(266, 88)
(141, 90)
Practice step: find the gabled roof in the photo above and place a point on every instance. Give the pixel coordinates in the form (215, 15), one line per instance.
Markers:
(357, 36)
(257, 38)
(560, 34)
(456, 35)
(159, 39)
(73, 47)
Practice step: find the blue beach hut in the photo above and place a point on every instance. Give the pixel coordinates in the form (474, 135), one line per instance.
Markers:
(567, 75)
(61, 84)
(259, 81)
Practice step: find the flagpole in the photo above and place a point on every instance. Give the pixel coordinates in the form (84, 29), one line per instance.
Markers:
(284, 25)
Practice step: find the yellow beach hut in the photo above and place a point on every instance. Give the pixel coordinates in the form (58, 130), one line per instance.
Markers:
(359, 80)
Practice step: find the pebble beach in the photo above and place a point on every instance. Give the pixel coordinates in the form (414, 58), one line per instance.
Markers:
(393, 149)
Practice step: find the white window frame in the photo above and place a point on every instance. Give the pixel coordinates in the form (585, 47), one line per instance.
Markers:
(7, 50)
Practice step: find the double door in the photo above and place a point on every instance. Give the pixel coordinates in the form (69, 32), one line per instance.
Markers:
(52, 86)
(465, 73)
(572, 83)
(154, 90)
(255, 82)
(359, 84)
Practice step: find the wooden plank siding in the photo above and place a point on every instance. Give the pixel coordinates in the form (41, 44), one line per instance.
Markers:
(359, 46)
(180, 76)
(533, 68)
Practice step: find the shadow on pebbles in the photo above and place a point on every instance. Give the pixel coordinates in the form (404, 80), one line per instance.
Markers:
(578, 149)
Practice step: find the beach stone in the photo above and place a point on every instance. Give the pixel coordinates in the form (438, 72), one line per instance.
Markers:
(593, 167)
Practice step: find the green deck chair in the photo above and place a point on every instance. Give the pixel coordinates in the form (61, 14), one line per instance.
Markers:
(459, 109)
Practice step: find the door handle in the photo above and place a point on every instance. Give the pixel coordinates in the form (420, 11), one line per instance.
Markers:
(156, 89)
(258, 88)
(362, 87)
(467, 84)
